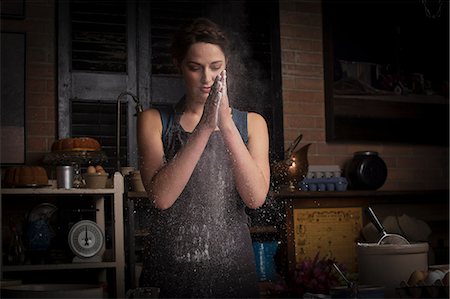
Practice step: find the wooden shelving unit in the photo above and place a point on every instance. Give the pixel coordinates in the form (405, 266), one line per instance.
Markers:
(114, 261)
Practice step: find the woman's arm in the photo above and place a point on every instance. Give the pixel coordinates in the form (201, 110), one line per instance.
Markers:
(164, 182)
(250, 163)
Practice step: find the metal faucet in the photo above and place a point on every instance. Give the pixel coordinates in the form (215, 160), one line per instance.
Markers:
(139, 109)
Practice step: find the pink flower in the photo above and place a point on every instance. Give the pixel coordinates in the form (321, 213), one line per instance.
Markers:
(315, 276)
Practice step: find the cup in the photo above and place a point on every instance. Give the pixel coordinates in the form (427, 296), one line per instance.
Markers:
(64, 176)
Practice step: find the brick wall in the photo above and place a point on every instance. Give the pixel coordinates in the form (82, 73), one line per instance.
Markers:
(409, 167)
(41, 70)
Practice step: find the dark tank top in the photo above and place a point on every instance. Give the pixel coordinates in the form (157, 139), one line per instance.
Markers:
(201, 246)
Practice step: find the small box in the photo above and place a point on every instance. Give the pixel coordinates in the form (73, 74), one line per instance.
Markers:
(323, 171)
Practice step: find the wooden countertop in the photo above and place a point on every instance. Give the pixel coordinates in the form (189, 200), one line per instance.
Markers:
(285, 193)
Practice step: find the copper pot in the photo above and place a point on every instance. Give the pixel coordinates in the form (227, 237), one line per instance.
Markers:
(294, 167)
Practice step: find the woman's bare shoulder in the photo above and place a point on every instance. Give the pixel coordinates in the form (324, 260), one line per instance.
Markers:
(255, 119)
(150, 118)
(257, 126)
(150, 113)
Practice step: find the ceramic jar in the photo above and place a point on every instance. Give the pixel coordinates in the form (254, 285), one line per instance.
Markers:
(366, 171)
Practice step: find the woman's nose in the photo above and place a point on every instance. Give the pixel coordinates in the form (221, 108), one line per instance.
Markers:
(207, 76)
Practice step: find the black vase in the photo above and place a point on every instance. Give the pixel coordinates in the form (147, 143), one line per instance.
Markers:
(366, 171)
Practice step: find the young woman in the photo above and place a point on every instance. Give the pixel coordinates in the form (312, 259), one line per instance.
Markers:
(202, 163)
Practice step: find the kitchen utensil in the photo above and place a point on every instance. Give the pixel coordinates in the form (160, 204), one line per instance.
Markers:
(293, 145)
(386, 238)
(86, 240)
(294, 167)
(349, 283)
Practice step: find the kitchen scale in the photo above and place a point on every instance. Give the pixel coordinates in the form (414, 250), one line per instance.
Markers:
(86, 240)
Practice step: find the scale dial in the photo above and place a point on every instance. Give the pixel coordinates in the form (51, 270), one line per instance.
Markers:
(86, 239)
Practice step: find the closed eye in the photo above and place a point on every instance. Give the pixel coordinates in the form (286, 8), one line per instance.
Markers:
(194, 67)
(216, 65)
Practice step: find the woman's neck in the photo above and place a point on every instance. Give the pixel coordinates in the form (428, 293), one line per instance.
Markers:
(192, 114)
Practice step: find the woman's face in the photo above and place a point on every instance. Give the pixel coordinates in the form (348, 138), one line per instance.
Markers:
(202, 63)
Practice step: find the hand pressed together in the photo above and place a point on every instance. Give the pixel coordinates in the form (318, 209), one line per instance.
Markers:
(210, 117)
(224, 109)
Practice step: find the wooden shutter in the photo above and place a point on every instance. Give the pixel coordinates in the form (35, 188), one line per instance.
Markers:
(99, 40)
(97, 119)
(98, 71)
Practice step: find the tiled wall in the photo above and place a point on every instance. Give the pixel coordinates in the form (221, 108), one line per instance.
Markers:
(409, 167)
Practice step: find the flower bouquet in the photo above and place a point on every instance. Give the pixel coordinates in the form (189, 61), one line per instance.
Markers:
(316, 276)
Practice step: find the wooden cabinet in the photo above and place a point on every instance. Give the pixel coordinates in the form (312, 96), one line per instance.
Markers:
(430, 206)
(104, 206)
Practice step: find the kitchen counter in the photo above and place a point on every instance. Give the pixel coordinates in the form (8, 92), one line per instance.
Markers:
(431, 206)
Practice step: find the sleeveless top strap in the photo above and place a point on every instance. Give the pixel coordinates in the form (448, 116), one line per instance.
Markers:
(167, 117)
(240, 119)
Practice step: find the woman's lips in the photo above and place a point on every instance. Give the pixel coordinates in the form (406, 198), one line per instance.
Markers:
(205, 89)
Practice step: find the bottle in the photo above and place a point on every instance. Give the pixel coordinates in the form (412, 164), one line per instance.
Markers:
(16, 251)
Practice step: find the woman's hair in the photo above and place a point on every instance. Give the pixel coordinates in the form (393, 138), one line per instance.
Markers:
(200, 30)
